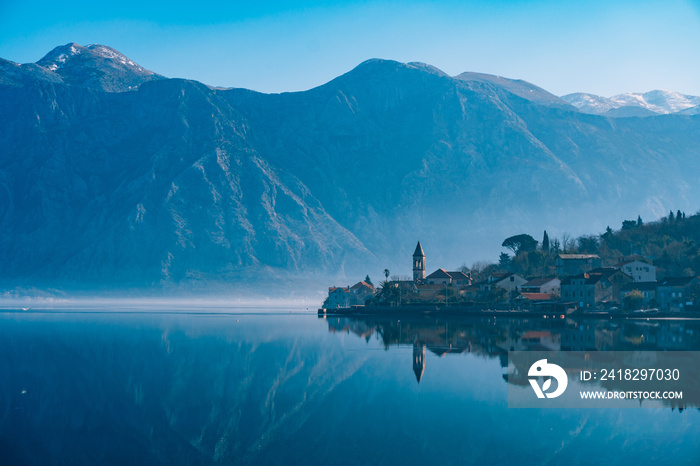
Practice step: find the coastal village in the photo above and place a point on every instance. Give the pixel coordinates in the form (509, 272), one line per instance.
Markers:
(581, 283)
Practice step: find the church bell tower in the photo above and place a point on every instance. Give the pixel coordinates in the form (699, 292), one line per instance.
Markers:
(418, 263)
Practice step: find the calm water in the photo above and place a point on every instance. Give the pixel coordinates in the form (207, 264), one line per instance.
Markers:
(295, 389)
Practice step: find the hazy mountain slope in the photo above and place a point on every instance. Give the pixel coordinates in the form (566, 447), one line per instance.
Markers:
(396, 153)
(518, 87)
(175, 182)
(690, 111)
(145, 186)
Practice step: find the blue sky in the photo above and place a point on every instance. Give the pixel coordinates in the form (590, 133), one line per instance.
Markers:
(603, 47)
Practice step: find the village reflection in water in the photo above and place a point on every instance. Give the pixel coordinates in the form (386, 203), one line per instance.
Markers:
(494, 337)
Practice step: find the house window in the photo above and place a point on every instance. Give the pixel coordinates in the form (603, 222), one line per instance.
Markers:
(512, 279)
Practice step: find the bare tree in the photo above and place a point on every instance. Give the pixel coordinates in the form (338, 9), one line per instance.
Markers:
(567, 243)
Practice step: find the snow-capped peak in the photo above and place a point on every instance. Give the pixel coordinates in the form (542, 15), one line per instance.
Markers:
(96, 66)
(658, 101)
(60, 56)
(111, 54)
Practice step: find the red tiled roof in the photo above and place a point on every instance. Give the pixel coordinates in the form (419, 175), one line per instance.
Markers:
(439, 273)
(359, 285)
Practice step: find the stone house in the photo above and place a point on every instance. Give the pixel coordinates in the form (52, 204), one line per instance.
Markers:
(442, 277)
(508, 281)
(348, 296)
(589, 290)
(677, 293)
(638, 270)
(550, 286)
(616, 277)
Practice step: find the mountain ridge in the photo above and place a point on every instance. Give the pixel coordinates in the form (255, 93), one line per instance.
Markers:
(656, 102)
(171, 181)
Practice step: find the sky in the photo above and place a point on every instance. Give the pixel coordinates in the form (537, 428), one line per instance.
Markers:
(601, 47)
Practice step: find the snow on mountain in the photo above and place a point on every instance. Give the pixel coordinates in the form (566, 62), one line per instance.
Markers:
(96, 66)
(658, 101)
(589, 103)
(653, 103)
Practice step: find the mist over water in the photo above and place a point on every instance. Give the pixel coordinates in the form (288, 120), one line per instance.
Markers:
(248, 387)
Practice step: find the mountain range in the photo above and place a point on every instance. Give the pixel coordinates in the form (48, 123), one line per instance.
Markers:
(114, 176)
(658, 102)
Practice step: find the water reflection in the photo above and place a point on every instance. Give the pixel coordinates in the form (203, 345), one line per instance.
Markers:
(494, 337)
(279, 389)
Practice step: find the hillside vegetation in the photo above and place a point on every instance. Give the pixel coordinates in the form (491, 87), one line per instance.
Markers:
(672, 244)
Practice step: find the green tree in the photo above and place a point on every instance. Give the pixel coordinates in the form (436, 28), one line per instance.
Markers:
(497, 295)
(639, 221)
(588, 244)
(386, 275)
(633, 301)
(670, 216)
(389, 293)
(504, 260)
(368, 280)
(545, 242)
(520, 243)
(629, 224)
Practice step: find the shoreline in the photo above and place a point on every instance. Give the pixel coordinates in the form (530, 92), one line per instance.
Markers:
(475, 311)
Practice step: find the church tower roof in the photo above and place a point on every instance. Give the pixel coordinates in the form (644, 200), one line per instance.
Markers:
(419, 250)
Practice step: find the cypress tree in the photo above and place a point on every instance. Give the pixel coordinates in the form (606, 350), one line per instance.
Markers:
(545, 242)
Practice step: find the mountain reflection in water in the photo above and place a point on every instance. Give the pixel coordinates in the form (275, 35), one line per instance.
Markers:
(175, 388)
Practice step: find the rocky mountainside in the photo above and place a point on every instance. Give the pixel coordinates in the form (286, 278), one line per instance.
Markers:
(112, 175)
